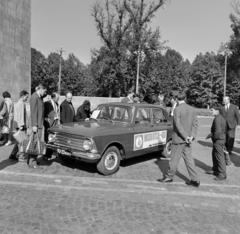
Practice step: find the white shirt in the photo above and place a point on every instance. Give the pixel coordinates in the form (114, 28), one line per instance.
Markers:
(173, 107)
(55, 107)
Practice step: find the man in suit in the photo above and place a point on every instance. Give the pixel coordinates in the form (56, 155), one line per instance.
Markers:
(37, 116)
(67, 111)
(218, 135)
(51, 114)
(128, 99)
(230, 113)
(185, 128)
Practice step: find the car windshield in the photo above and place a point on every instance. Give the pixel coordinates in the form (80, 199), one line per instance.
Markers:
(116, 113)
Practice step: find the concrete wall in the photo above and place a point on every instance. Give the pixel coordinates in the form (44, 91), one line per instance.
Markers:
(15, 46)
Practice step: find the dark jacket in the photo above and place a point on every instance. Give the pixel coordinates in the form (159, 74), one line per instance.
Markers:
(67, 112)
(184, 123)
(36, 110)
(49, 112)
(218, 128)
(81, 113)
(231, 116)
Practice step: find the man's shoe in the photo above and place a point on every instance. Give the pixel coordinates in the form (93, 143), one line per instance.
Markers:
(193, 183)
(12, 157)
(212, 173)
(165, 180)
(220, 178)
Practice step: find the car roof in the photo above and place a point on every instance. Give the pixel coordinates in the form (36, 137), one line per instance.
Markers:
(130, 104)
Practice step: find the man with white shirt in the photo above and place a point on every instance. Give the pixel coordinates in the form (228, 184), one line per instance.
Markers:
(230, 113)
(173, 101)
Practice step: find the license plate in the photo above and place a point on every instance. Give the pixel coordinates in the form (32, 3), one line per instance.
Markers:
(64, 152)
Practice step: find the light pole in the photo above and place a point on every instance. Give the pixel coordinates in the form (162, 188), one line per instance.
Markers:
(60, 69)
(138, 68)
(226, 53)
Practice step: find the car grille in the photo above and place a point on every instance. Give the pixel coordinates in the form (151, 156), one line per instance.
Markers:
(69, 141)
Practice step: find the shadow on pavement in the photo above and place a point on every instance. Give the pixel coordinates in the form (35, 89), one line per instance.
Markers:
(234, 158)
(163, 165)
(6, 163)
(140, 159)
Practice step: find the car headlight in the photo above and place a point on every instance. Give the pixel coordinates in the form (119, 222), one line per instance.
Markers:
(51, 137)
(87, 145)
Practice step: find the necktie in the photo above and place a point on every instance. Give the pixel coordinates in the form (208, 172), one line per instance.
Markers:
(226, 108)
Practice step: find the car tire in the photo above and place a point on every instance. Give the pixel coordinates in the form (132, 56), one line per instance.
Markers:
(110, 161)
(167, 149)
(66, 160)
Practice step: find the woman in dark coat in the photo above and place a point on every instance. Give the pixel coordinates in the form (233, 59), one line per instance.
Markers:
(83, 112)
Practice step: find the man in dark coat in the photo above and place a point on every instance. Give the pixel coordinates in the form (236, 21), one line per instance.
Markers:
(230, 113)
(37, 116)
(218, 135)
(67, 111)
(83, 111)
(185, 128)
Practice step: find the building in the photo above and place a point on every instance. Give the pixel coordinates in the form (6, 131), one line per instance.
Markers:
(15, 46)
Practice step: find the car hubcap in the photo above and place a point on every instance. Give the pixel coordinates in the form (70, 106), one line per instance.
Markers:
(169, 147)
(111, 160)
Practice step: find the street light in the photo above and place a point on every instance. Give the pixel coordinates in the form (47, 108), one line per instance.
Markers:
(227, 53)
(60, 69)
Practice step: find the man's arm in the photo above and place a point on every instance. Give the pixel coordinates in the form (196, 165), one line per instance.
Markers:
(180, 129)
(63, 113)
(217, 129)
(4, 110)
(34, 111)
(237, 116)
(194, 126)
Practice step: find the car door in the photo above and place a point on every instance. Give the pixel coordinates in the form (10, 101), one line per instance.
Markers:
(143, 131)
(161, 124)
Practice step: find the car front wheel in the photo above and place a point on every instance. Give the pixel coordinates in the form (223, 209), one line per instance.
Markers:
(167, 149)
(110, 161)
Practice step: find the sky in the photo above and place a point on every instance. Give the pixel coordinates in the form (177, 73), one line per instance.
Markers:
(189, 26)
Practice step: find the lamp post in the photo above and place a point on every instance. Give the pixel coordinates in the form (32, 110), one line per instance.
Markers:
(226, 53)
(138, 68)
(60, 69)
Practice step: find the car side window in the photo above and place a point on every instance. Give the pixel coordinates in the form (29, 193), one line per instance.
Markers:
(158, 115)
(142, 116)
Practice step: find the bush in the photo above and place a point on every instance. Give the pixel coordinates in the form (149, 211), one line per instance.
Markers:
(203, 112)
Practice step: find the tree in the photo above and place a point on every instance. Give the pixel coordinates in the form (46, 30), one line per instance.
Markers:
(206, 77)
(40, 71)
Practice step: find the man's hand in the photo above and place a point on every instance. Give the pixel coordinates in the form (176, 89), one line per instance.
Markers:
(87, 119)
(208, 136)
(238, 127)
(189, 139)
(34, 128)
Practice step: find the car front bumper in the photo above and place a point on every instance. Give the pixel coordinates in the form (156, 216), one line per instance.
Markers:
(83, 156)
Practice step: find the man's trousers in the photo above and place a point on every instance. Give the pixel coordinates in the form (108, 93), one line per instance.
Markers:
(182, 150)
(218, 158)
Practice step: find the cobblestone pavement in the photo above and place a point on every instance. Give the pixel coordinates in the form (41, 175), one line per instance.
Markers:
(74, 198)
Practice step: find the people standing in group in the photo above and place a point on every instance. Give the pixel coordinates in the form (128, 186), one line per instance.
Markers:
(128, 99)
(20, 119)
(218, 135)
(37, 117)
(160, 100)
(185, 128)
(9, 117)
(230, 113)
(83, 111)
(67, 111)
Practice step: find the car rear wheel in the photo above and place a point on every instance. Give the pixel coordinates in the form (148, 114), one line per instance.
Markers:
(66, 160)
(167, 149)
(110, 161)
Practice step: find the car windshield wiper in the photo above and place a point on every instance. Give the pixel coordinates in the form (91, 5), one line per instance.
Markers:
(107, 119)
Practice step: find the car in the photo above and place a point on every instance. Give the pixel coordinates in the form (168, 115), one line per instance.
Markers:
(116, 131)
